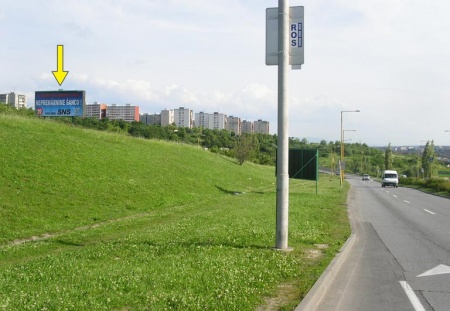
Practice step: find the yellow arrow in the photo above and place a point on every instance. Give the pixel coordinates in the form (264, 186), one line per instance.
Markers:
(60, 74)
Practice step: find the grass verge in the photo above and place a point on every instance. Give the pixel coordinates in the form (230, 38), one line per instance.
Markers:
(128, 224)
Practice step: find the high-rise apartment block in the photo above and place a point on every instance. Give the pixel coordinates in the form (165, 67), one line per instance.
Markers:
(13, 99)
(184, 117)
(202, 119)
(95, 110)
(167, 117)
(217, 121)
(212, 121)
(261, 127)
(127, 113)
(150, 118)
(234, 125)
(247, 127)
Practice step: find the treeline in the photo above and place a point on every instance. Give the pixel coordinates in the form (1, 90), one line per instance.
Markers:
(262, 147)
(257, 148)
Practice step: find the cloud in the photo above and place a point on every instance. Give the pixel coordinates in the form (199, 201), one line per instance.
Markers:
(251, 102)
(386, 58)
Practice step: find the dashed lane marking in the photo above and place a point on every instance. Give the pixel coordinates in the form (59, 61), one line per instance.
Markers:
(412, 296)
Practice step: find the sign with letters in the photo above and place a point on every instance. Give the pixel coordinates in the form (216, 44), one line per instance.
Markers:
(296, 37)
(59, 103)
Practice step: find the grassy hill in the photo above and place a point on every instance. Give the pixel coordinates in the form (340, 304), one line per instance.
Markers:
(93, 220)
(71, 177)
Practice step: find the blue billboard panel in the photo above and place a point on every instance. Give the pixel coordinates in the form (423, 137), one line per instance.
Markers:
(59, 103)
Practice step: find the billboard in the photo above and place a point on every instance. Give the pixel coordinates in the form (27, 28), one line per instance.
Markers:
(303, 164)
(59, 103)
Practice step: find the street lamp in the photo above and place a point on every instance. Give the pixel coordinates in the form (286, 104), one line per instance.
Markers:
(342, 146)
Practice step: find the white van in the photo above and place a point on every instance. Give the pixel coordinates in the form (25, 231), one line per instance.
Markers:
(389, 178)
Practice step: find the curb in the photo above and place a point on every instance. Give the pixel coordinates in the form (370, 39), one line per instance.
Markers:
(316, 293)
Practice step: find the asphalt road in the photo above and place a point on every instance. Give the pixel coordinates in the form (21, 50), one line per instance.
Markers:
(400, 259)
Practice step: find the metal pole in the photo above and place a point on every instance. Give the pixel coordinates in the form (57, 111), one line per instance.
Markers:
(342, 147)
(342, 154)
(283, 120)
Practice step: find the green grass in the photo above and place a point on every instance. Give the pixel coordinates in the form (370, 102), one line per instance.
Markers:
(129, 224)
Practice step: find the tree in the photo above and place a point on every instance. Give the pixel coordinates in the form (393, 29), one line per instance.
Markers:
(332, 164)
(388, 158)
(427, 158)
(244, 148)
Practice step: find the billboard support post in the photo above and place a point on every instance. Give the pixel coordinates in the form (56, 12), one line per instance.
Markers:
(282, 207)
(284, 47)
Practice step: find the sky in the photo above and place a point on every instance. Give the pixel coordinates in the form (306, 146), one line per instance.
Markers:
(390, 59)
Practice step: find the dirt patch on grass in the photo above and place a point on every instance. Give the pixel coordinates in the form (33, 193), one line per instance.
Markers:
(316, 253)
(286, 294)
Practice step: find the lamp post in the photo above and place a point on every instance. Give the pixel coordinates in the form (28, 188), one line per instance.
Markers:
(342, 146)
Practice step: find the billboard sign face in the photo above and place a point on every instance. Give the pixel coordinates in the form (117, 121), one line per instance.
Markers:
(296, 36)
(59, 103)
(303, 164)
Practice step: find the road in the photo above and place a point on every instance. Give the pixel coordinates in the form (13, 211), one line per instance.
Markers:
(401, 257)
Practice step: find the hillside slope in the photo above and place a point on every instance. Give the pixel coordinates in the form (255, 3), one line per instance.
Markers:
(99, 221)
(56, 177)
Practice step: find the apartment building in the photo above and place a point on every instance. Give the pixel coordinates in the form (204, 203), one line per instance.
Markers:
(217, 121)
(95, 110)
(247, 127)
(202, 119)
(150, 118)
(167, 117)
(184, 117)
(13, 99)
(261, 127)
(234, 125)
(127, 113)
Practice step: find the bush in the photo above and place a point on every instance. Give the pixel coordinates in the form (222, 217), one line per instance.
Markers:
(435, 184)
(438, 184)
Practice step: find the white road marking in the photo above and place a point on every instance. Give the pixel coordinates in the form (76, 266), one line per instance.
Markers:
(395, 196)
(429, 211)
(439, 269)
(407, 201)
(412, 296)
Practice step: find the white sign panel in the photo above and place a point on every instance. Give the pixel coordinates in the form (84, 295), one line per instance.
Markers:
(296, 38)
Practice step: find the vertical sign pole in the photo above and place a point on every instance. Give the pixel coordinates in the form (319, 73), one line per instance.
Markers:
(283, 120)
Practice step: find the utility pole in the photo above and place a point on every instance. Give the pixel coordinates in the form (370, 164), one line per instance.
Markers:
(283, 125)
